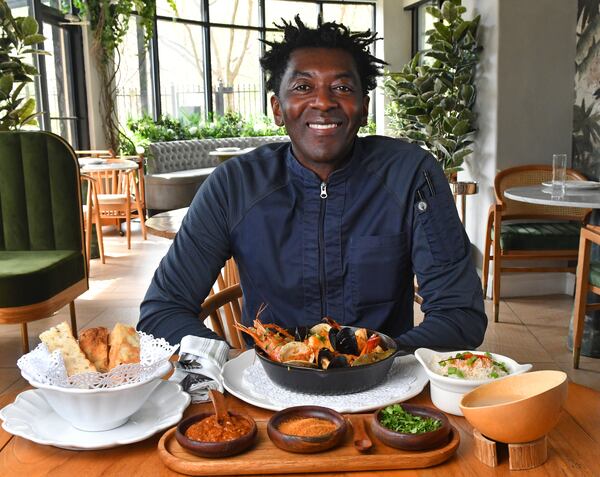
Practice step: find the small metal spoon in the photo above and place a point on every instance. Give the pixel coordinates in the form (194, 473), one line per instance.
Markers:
(218, 401)
(362, 442)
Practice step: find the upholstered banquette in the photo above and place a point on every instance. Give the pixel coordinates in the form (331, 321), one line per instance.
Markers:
(175, 169)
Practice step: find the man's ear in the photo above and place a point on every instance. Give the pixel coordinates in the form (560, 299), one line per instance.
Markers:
(276, 107)
(365, 110)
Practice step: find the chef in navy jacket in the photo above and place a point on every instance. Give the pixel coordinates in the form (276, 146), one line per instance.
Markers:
(329, 224)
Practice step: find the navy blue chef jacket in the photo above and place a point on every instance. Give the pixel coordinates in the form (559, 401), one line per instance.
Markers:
(347, 248)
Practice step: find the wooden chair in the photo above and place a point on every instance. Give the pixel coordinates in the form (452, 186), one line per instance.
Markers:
(224, 309)
(588, 280)
(229, 276)
(91, 216)
(42, 253)
(118, 199)
(522, 231)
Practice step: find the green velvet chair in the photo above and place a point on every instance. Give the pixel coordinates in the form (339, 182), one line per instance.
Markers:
(518, 231)
(42, 258)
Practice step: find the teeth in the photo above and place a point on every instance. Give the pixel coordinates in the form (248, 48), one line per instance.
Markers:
(322, 126)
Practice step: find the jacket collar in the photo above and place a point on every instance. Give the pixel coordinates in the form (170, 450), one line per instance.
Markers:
(336, 176)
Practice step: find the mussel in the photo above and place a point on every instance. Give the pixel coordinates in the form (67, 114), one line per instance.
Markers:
(328, 360)
(344, 341)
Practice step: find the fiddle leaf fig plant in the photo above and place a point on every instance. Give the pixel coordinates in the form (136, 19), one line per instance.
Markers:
(431, 99)
(18, 37)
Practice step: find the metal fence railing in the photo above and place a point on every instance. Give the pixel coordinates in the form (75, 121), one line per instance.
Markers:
(180, 100)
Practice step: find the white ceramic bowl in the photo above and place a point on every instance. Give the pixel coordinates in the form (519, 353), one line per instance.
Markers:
(100, 409)
(447, 392)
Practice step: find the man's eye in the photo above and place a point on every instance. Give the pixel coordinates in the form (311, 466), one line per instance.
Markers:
(301, 87)
(343, 89)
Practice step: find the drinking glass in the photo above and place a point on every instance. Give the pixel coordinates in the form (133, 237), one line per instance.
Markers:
(559, 175)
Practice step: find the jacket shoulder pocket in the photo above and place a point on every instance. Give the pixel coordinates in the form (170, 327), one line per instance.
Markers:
(443, 228)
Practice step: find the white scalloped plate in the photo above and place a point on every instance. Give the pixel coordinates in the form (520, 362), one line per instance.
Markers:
(233, 382)
(32, 418)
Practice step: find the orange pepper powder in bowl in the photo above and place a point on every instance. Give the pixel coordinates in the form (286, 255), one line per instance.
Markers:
(307, 427)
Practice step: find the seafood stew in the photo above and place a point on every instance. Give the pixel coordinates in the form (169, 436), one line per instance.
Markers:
(333, 380)
(325, 346)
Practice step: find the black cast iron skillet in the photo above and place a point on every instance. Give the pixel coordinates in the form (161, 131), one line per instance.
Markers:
(333, 381)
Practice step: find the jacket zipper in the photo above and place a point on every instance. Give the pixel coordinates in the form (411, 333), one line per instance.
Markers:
(322, 279)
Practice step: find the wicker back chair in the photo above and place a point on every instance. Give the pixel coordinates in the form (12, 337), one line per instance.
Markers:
(521, 231)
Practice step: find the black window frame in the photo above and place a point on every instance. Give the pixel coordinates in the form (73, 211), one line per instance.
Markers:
(415, 33)
(45, 14)
(206, 25)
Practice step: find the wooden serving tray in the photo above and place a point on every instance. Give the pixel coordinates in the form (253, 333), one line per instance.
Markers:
(265, 458)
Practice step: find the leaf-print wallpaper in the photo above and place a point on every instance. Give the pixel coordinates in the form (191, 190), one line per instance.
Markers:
(586, 114)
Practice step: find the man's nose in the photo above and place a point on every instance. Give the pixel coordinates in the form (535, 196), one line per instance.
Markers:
(324, 99)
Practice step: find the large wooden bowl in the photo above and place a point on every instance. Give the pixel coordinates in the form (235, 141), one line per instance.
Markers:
(519, 408)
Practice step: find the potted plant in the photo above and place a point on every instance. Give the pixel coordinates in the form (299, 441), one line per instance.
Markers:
(431, 99)
(18, 37)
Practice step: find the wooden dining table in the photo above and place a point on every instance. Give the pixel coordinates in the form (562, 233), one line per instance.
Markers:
(166, 224)
(573, 447)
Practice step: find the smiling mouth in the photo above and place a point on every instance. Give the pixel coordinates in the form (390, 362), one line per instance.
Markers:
(324, 126)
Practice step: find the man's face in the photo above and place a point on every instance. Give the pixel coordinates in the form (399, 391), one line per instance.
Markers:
(321, 103)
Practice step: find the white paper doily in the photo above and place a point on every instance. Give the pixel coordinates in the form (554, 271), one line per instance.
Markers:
(41, 366)
(406, 379)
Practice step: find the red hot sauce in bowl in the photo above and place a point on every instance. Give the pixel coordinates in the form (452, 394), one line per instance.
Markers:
(209, 430)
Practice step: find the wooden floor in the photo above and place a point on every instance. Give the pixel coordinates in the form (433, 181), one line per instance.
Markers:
(531, 330)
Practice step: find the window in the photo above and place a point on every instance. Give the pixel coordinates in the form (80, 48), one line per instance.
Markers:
(236, 72)
(181, 68)
(134, 83)
(206, 53)
(421, 22)
(59, 90)
(275, 10)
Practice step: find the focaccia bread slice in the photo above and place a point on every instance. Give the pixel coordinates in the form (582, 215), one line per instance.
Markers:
(94, 343)
(124, 343)
(61, 338)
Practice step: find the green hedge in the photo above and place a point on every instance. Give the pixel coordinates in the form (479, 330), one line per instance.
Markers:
(141, 132)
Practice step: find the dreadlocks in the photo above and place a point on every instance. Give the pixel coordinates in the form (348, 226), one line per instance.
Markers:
(326, 35)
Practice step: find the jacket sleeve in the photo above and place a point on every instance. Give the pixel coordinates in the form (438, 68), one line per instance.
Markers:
(441, 255)
(186, 274)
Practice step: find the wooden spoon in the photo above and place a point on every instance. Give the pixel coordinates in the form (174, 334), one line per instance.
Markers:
(218, 401)
(362, 442)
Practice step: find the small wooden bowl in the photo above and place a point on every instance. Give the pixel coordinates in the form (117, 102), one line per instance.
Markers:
(301, 444)
(214, 449)
(426, 440)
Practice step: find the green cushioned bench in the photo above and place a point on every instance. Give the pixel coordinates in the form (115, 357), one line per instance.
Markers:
(540, 236)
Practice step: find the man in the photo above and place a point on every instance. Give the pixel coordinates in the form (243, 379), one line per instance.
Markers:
(329, 225)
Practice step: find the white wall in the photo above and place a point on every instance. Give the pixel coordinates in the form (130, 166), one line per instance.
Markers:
(393, 24)
(525, 105)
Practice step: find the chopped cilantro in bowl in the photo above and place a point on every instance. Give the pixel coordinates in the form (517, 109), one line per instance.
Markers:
(395, 418)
